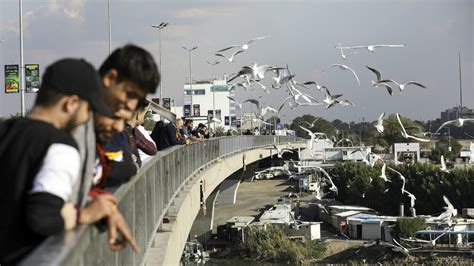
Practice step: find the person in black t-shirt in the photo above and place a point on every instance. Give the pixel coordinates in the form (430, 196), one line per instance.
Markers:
(40, 162)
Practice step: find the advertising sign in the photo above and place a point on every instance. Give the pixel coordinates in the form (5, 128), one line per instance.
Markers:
(226, 120)
(187, 110)
(11, 79)
(32, 78)
(167, 103)
(196, 110)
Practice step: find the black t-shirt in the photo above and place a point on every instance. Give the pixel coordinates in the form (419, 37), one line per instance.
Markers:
(39, 165)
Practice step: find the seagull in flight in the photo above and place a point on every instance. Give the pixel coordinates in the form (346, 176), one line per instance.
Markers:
(305, 84)
(404, 132)
(281, 151)
(443, 165)
(449, 213)
(244, 46)
(262, 110)
(239, 104)
(333, 187)
(371, 48)
(330, 100)
(346, 103)
(378, 74)
(431, 243)
(412, 198)
(281, 79)
(379, 125)
(344, 56)
(401, 86)
(401, 177)
(312, 135)
(244, 85)
(231, 58)
(458, 123)
(383, 175)
(312, 123)
(344, 67)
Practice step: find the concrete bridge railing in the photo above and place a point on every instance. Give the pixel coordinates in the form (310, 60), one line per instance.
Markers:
(144, 202)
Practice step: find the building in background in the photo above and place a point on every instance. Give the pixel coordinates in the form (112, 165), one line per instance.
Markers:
(453, 113)
(207, 95)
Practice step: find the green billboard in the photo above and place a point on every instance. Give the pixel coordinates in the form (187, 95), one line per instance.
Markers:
(11, 78)
(32, 78)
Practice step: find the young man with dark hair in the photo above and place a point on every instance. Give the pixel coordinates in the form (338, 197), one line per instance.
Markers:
(127, 75)
(40, 162)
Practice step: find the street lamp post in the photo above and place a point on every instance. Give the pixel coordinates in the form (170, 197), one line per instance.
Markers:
(214, 90)
(190, 76)
(161, 26)
(22, 69)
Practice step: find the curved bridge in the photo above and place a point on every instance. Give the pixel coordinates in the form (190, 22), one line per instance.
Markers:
(161, 203)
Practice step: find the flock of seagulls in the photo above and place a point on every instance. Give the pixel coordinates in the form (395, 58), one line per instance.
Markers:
(298, 96)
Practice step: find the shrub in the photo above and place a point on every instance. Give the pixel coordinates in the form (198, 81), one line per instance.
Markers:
(407, 226)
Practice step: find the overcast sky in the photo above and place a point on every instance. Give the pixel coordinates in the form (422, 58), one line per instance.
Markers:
(303, 35)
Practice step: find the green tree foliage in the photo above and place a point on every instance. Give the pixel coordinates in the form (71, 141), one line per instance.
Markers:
(273, 245)
(442, 148)
(321, 125)
(407, 226)
(425, 181)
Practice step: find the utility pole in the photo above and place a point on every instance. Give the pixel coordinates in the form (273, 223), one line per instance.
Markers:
(22, 64)
(110, 26)
(460, 86)
(213, 91)
(190, 77)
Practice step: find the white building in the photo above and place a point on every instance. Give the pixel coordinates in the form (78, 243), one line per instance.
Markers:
(406, 152)
(207, 96)
(370, 227)
(311, 230)
(280, 214)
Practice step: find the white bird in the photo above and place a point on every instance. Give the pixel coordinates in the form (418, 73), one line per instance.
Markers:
(297, 94)
(412, 198)
(244, 46)
(458, 123)
(231, 58)
(333, 187)
(449, 213)
(371, 48)
(401, 177)
(344, 67)
(262, 110)
(379, 125)
(399, 248)
(305, 84)
(312, 135)
(401, 86)
(330, 100)
(244, 85)
(281, 151)
(280, 79)
(378, 74)
(312, 123)
(346, 103)
(404, 132)
(344, 56)
(383, 175)
(263, 87)
(239, 104)
(443, 165)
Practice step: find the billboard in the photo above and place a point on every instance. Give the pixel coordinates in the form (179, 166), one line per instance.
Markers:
(210, 115)
(187, 110)
(12, 77)
(32, 78)
(167, 103)
(196, 110)
(226, 120)
(218, 114)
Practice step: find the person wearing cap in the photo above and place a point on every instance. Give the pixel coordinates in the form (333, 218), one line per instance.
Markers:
(40, 161)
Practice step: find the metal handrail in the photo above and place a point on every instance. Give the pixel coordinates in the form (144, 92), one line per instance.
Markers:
(143, 201)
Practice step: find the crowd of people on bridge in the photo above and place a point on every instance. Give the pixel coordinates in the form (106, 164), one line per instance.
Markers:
(82, 138)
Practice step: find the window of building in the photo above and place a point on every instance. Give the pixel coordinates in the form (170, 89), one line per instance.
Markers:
(199, 92)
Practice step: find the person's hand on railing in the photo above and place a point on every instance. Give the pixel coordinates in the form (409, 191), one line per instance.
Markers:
(101, 206)
(115, 223)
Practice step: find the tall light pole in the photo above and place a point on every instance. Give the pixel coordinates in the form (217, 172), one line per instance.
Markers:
(110, 26)
(190, 77)
(22, 69)
(161, 26)
(213, 91)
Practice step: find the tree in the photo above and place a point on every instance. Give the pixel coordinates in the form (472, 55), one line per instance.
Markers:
(321, 125)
